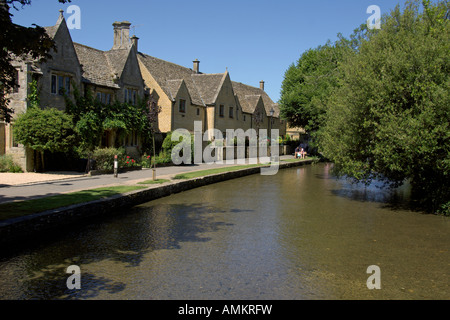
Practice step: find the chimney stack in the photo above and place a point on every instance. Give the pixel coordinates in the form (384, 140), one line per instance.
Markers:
(261, 85)
(134, 42)
(121, 35)
(197, 66)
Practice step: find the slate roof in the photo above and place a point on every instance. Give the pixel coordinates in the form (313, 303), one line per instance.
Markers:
(165, 72)
(249, 103)
(203, 88)
(97, 66)
(209, 85)
(51, 31)
(243, 91)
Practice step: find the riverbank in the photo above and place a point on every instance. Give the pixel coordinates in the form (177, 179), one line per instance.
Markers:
(24, 228)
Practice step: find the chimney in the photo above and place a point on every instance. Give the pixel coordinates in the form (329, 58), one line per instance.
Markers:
(261, 85)
(134, 42)
(196, 66)
(121, 35)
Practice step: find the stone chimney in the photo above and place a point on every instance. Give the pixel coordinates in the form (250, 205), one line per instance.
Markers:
(261, 85)
(197, 66)
(122, 35)
(134, 42)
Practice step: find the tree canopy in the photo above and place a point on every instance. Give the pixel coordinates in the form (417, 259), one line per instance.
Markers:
(385, 112)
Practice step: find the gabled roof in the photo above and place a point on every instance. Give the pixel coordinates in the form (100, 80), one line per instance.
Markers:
(96, 66)
(51, 31)
(209, 85)
(166, 72)
(174, 86)
(249, 103)
(243, 90)
(117, 59)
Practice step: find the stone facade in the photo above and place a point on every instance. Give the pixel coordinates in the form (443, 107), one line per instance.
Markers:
(124, 74)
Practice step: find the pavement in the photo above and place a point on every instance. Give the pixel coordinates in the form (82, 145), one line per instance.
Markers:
(27, 186)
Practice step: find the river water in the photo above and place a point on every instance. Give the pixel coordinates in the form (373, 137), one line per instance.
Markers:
(300, 234)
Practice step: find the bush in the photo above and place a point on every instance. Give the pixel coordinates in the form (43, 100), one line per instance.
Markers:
(7, 164)
(168, 146)
(104, 158)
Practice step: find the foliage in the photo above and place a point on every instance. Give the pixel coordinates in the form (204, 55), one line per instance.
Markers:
(170, 147)
(18, 41)
(7, 164)
(45, 130)
(308, 84)
(92, 118)
(104, 157)
(389, 118)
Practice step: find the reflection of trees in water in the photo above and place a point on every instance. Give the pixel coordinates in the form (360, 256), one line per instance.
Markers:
(377, 191)
(123, 241)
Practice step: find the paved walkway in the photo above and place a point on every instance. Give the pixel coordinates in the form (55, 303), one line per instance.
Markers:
(19, 187)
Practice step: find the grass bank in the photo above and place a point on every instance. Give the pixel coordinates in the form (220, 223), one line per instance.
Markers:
(202, 173)
(23, 208)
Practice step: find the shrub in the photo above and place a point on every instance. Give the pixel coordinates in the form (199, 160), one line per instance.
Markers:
(104, 158)
(7, 164)
(168, 146)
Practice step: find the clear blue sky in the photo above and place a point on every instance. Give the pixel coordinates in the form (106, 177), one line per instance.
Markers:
(255, 39)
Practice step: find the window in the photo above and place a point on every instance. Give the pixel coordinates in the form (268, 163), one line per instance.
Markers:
(198, 111)
(244, 118)
(131, 96)
(67, 85)
(13, 143)
(182, 106)
(60, 84)
(16, 82)
(221, 111)
(104, 97)
(231, 113)
(53, 90)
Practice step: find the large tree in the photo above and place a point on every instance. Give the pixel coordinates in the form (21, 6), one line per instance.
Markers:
(16, 41)
(308, 84)
(390, 116)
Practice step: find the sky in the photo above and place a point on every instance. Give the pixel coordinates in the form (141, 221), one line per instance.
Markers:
(253, 39)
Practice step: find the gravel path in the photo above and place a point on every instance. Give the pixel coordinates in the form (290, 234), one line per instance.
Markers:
(14, 179)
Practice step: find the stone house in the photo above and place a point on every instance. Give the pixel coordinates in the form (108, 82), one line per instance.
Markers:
(54, 77)
(126, 75)
(187, 95)
(114, 75)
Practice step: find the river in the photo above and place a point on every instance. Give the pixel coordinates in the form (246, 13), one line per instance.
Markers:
(300, 234)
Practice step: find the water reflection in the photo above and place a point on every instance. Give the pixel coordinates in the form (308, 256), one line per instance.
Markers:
(298, 235)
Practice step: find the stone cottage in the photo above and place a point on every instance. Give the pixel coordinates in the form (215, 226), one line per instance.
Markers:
(124, 74)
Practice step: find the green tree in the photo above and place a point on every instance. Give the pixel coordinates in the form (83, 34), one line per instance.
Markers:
(45, 130)
(308, 84)
(17, 41)
(389, 118)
